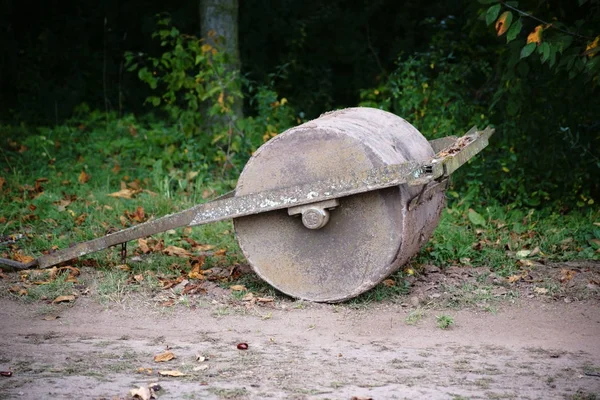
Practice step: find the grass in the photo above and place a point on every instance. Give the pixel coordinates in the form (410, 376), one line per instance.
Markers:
(415, 316)
(56, 186)
(444, 321)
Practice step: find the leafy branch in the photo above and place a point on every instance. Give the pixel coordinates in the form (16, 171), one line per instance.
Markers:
(546, 23)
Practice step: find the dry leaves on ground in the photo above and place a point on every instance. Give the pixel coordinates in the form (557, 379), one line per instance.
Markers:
(163, 357)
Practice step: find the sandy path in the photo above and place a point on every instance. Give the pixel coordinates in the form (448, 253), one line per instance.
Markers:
(530, 350)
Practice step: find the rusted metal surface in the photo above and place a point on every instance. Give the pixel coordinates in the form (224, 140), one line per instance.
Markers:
(384, 173)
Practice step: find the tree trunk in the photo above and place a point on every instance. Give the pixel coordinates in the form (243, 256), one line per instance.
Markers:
(221, 16)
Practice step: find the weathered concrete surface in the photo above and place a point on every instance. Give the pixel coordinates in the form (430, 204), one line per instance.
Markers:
(369, 235)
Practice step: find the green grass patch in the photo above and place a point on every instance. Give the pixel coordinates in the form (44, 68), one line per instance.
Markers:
(58, 187)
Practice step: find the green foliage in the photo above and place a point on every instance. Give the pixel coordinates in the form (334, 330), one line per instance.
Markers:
(493, 235)
(444, 321)
(546, 144)
(197, 88)
(434, 90)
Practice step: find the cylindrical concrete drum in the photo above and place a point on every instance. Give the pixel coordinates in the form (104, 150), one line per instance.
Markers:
(368, 236)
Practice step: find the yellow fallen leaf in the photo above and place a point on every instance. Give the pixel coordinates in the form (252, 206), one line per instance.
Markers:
(143, 243)
(83, 177)
(64, 299)
(166, 356)
(177, 251)
(238, 288)
(196, 272)
(540, 290)
(171, 373)
(20, 257)
(389, 282)
(514, 278)
(125, 193)
(566, 274)
(265, 299)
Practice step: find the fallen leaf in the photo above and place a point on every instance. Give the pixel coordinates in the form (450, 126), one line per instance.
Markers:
(166, 356)
(540, 290)
(50, 317)
(142, 370)
(138, 278)
(168, 303)
(196, 272)
(248, 297)
(83, 177)
(265, 299)
(220, 252)
(139, 215)
(389, 282)
(81, 219)
(237, 288)
(201, 368)
(125, 193)
(3, 276)
(177, 251)
(116, 169)
(173, 373)
(64, 299)
(143, 244)
(123, 267)
(566, 274)
(63, 204)
(2, 182)
(169, 283)
(514, 278)
(20, 257)
(525, 263)
(141, 393)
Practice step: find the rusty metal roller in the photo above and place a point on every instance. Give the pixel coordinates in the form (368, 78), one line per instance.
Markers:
(341, 249)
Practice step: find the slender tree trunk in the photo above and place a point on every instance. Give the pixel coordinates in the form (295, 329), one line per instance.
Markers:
(221, 17)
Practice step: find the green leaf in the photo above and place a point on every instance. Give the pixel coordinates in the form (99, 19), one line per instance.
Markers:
(527, 50)
(492, 14)
(476, 218)
(514, 30)
(544, 49)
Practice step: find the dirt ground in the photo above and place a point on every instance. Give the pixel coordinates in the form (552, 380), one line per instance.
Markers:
(517, 341)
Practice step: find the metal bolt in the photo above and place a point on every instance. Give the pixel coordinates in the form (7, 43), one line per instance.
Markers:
(315, 218)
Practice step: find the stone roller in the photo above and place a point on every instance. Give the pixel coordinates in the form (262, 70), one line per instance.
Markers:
(367, 236)
(328, 209)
